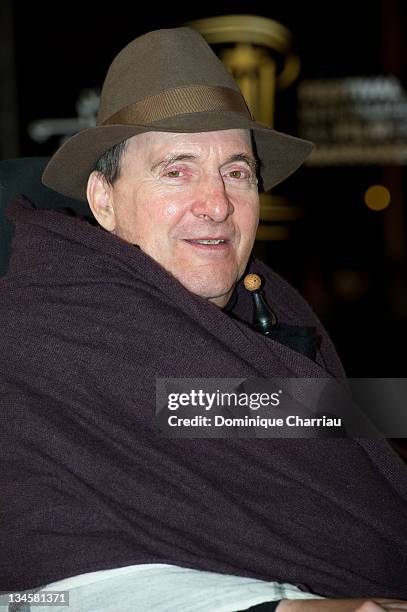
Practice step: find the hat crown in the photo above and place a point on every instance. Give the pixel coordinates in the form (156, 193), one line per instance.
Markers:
(160, 61)
(168, 81)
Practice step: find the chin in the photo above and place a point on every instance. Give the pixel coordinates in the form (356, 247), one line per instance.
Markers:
(210, 291)
(211, 284)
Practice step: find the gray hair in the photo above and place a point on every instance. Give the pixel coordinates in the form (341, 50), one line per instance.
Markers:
(109, 164)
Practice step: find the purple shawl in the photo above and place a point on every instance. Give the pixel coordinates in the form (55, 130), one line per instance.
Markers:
(87, 324)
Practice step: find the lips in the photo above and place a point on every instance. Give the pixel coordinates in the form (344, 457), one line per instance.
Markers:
(209, 243)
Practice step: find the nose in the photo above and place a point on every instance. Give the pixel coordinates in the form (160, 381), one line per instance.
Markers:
(212, 201)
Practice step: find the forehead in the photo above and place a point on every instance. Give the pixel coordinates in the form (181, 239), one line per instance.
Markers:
(221, 142)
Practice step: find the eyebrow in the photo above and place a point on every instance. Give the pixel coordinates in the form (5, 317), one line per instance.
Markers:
(244, 157)
(170, 159)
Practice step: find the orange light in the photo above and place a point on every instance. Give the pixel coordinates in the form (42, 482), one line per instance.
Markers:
(377, 197)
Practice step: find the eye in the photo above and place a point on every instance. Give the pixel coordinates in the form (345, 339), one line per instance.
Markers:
(239, 174)
(173, 173)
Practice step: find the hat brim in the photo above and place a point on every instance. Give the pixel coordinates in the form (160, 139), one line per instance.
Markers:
(68, 169)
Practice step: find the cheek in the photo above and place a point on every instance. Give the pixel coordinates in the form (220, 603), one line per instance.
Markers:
(248, 221)
(170, 211)
(166, 208)
(154, 217)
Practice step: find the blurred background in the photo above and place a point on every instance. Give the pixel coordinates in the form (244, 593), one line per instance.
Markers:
(334, 73)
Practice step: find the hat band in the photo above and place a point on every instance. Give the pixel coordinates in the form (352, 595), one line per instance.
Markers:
(179, 101)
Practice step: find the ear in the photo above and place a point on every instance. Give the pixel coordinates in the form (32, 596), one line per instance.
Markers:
(99, 194)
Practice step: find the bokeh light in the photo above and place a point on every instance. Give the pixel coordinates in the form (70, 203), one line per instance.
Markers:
(377, 197)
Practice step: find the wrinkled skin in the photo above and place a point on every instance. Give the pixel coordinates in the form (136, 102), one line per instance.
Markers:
(174, 189)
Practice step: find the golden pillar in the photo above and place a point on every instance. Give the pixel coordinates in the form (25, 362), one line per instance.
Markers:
(257, 51)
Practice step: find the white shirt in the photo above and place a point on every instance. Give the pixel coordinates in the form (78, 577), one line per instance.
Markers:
(165, 588)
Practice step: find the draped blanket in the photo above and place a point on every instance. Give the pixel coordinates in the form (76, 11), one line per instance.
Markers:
(87, 323)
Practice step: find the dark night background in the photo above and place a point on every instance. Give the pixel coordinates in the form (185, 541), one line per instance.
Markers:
(349, 261)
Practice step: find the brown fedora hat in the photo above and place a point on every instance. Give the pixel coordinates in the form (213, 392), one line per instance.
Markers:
(169, 81)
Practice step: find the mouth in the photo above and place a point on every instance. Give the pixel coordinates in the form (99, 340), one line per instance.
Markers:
(209, 243)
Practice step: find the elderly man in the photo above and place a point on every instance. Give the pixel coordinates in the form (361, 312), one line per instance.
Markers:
(95, 501)
(190, 201)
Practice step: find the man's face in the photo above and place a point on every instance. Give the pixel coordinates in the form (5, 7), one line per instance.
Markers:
(190, 201)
